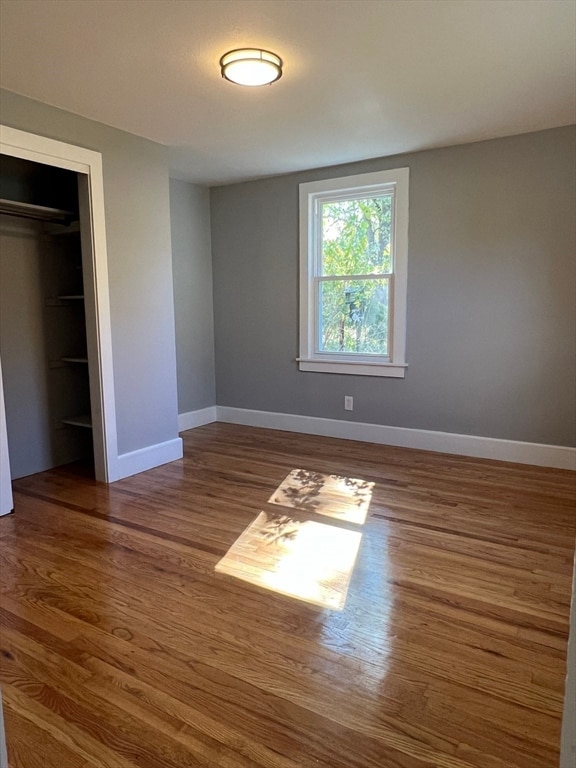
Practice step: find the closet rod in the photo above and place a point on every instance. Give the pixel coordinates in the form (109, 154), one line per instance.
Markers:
(40, 212)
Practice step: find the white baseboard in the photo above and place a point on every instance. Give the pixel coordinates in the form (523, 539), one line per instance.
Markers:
(133, 463)
(537, 454)
(196, 418)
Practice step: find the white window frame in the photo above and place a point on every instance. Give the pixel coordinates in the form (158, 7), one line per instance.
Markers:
(311, 195)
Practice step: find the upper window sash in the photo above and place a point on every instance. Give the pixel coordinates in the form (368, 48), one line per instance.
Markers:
(317, 202)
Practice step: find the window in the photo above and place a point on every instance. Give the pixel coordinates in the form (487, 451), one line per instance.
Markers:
(353, 266)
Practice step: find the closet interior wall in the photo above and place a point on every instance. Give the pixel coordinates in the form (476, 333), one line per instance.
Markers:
(42, 319)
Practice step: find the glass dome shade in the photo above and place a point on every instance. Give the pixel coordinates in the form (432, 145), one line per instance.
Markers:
(251, 66)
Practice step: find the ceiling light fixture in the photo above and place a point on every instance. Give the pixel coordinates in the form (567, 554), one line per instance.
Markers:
(251, 66)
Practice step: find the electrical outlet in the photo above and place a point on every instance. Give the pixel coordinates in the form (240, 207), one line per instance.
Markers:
(348, 403)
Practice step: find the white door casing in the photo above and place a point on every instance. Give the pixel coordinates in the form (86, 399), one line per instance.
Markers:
(6, 501)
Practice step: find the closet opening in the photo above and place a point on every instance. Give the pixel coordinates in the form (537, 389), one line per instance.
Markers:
(55, 325)
(43, 309)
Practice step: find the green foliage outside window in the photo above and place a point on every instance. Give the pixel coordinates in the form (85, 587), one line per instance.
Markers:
(356, 241)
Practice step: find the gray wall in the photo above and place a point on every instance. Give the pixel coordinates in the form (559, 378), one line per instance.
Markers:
(192, 268)
(491, 281)
(136, 195)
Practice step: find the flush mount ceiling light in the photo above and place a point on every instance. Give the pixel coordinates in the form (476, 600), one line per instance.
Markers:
(251, 66)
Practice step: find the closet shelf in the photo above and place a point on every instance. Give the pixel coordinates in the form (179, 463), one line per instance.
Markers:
(79, 421)
(57, 230)
(30, 211)
(65, 362)
(71, 296)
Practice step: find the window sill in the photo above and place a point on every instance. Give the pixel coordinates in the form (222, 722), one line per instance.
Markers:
(391, 370)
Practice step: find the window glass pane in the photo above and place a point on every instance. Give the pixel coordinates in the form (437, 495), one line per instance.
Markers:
(353, 316)
(356, 236)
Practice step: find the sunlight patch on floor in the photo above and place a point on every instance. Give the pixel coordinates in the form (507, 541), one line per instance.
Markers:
(340, 498)
(303, 559)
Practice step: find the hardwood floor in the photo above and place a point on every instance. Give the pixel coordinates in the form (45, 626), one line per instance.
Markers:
(120, 647)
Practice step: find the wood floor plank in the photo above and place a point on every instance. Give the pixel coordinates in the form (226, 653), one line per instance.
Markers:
(122, 648)
(29, 744)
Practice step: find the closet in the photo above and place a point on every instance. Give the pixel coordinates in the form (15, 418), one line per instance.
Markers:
(43, 340)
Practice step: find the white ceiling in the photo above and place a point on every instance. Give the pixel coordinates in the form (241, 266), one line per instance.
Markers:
(363, 78)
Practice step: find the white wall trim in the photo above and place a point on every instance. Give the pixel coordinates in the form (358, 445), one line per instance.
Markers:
(6, 499)
(198, 418)
(537, 454)
(133, 463)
